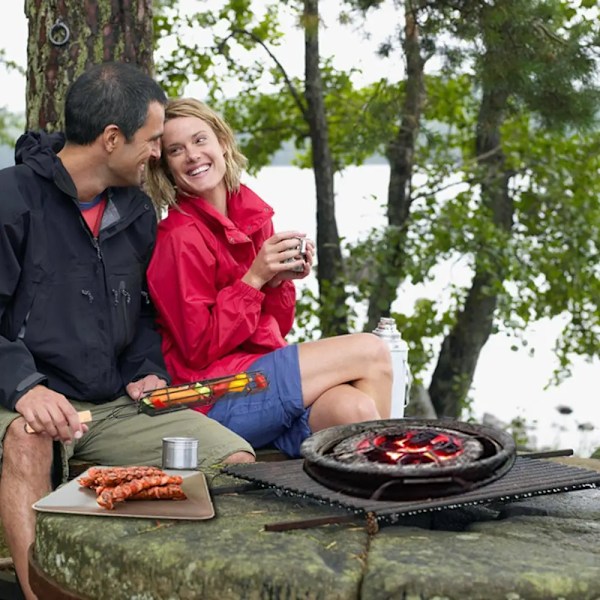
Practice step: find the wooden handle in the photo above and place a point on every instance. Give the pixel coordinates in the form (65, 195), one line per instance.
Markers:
(85, 416)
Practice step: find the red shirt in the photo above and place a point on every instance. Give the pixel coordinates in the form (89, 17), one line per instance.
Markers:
(92, 213)
(211, 322)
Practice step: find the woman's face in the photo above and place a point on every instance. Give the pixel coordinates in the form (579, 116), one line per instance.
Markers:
(194, 156)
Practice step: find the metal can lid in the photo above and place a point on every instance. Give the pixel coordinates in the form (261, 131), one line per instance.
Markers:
(180, 442)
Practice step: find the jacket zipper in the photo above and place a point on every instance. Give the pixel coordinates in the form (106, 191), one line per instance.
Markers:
(125, 299)
(97, 247)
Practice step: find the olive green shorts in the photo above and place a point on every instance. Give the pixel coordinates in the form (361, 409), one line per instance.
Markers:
(119, 435)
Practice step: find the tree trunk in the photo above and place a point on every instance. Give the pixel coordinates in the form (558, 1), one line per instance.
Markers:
(460, 350)
(68, 36)
(330, 267)
(400, 154)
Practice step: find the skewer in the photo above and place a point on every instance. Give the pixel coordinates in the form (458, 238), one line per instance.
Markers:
(182, 396)
(308, 523)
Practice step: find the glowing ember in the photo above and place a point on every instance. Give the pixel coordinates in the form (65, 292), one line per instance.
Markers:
(408, 447)
(411, 447)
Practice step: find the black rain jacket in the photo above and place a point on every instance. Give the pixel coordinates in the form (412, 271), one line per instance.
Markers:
(75, 314)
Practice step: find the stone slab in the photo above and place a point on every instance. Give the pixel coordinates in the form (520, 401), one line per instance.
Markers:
(545, 547)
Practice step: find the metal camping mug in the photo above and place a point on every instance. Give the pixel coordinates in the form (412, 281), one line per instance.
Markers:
(179, 453)
(301, 248)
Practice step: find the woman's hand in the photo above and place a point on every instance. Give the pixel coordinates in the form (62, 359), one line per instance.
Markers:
(269, 267)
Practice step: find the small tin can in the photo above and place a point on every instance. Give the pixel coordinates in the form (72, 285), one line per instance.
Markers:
(179, 453)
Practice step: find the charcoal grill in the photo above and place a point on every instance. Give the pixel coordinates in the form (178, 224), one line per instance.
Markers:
(404, 459)
(365, 491)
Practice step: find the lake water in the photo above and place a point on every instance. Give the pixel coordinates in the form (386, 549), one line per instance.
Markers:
(507, 384)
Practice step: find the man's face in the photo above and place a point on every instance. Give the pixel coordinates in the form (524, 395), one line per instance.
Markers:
(129, 159)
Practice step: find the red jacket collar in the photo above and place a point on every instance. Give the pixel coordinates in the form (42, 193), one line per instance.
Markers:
(247, 212)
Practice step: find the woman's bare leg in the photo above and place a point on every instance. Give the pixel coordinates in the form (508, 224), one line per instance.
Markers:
(239, 457)
(341, 405)
(361, 360)
(26, 464)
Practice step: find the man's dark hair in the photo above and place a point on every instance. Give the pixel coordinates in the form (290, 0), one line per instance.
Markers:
(109, 93)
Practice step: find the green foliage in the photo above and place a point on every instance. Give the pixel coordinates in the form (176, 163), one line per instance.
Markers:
(212, 57)
(306, 326)
(10, 65)
(541, 53)
(266, 119)
(11, 125)
(518, 428)
(263, 122)
(555, 268)
(538, 55)
(421, 329)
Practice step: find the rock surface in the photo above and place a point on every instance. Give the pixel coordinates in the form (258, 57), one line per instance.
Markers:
(545, 547)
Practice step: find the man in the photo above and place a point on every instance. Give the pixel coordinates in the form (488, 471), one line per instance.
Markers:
(76, 325)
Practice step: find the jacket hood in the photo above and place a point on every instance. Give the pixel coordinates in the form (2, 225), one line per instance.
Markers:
(38, 149)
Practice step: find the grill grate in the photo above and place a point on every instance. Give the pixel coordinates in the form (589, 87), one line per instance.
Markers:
(528, 477)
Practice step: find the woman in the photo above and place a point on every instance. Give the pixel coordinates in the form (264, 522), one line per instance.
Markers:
(222, 282)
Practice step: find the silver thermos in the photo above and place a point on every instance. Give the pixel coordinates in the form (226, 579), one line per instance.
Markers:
(387, 330)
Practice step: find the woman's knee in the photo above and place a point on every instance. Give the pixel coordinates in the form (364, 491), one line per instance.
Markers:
(364, 409)
(342, 410)
(375, 352)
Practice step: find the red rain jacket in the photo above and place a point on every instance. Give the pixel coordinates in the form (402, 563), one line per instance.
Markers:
(211, 322)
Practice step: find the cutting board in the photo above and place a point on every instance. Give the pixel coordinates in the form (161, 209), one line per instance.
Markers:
(72, 498)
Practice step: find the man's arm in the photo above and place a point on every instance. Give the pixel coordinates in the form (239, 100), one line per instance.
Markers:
(18, 373)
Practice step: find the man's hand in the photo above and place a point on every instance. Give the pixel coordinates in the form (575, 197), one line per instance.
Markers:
(137, 388)
(50, 413)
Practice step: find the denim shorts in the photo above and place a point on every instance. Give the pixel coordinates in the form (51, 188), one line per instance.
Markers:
(276, 416)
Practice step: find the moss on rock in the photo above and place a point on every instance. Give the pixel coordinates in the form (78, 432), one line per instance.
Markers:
(545, 547)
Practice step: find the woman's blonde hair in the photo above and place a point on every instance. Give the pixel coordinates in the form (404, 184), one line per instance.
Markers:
(159, 183)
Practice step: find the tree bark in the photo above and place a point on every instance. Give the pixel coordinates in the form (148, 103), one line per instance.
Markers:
(400, 153)
(453, 375)
(330, 267)
(67, 36)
